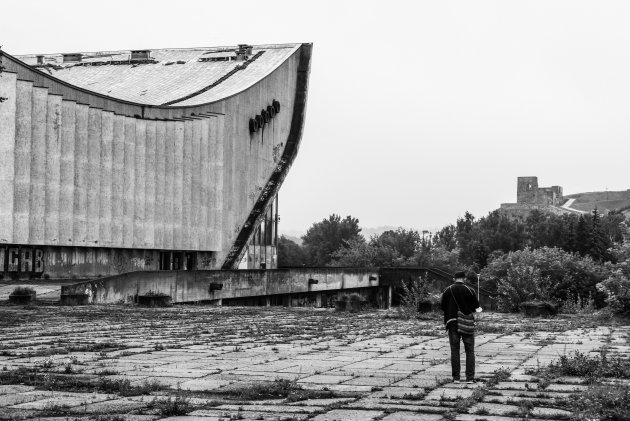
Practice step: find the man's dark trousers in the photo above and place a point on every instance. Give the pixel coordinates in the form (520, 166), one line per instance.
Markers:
(469, 347)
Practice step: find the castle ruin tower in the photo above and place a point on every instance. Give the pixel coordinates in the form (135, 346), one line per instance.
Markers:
(527, 190)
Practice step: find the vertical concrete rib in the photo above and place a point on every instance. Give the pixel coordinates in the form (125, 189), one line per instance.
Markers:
(37, 203)
(204, 238)
(129, 181)
(168, 184)
(24, 97)
(195, 187)
(118, 172)
(94, 165)
(178, 187)
(186, 185)
(160, 180)
(139, 189)
(212, 185)
(8, 90)
(80, 175)
(79, 227)
(53, 168)
(149, 202)
(66, 177)
(219, 180)
(105, 190)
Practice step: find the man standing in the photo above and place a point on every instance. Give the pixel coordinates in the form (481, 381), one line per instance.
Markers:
(460, 296)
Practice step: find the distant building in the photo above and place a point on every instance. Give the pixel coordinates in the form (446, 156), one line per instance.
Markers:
(530, 196)
(146, 160)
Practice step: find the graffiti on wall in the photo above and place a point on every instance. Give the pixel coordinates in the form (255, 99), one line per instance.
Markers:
(22, 260)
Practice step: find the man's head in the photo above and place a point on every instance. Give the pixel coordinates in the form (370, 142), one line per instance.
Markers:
(459, 276)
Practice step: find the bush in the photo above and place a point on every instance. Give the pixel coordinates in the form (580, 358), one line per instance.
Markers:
(543, 274)
(410, 298)
(590, 367)
(617, 290)
(604, 403)
(23, 291)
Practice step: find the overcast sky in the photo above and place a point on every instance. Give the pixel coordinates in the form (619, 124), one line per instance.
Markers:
(417, 110)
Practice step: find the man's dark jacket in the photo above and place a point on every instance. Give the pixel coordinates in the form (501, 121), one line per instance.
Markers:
(466, 298)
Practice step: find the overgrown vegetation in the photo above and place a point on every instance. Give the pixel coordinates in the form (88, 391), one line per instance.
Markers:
(592, 368)
(43, 379)
(23, 291)
(605, 399)
(289, 390)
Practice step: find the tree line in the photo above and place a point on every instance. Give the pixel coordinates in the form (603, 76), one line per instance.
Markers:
(469, 243)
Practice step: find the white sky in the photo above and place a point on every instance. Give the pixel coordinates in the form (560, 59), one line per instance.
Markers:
(418, 110)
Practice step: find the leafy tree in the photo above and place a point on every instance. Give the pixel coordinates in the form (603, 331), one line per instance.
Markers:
(326, 237)
(404, 242)
(446, 237)
(290, 254)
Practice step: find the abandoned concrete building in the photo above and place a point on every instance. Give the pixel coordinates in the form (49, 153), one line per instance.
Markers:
(120, 161)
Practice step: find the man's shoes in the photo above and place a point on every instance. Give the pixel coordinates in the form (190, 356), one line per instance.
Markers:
(473, 381)
(456, 381)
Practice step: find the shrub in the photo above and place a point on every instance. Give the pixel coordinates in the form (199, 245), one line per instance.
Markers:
(604, 403)
(590, 367)
(617, 290)
(411, 296)
(23, 291)
(170, 407)
(544, 273)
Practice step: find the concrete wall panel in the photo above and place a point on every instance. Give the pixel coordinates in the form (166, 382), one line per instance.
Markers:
(66, 176)
(187, 167)
(160, 182)
(95, 132)
(106, 168)
(178, 186)
(169, 152)
(7, 154)
(24, 108)
(140, 183)
(37, 205)
(80, 175)
(204, 186)
(149, 201)
(129, 182)
(118, 174)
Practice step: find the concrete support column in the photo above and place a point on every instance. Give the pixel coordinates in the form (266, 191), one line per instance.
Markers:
(24, 97)
(268, 301)
(389, 297)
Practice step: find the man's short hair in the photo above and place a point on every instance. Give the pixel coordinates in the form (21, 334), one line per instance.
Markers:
(460, 275)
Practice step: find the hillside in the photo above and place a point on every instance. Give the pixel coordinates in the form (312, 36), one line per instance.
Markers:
(604, 201)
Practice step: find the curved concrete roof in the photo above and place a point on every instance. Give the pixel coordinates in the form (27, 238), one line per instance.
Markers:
(177, 77)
